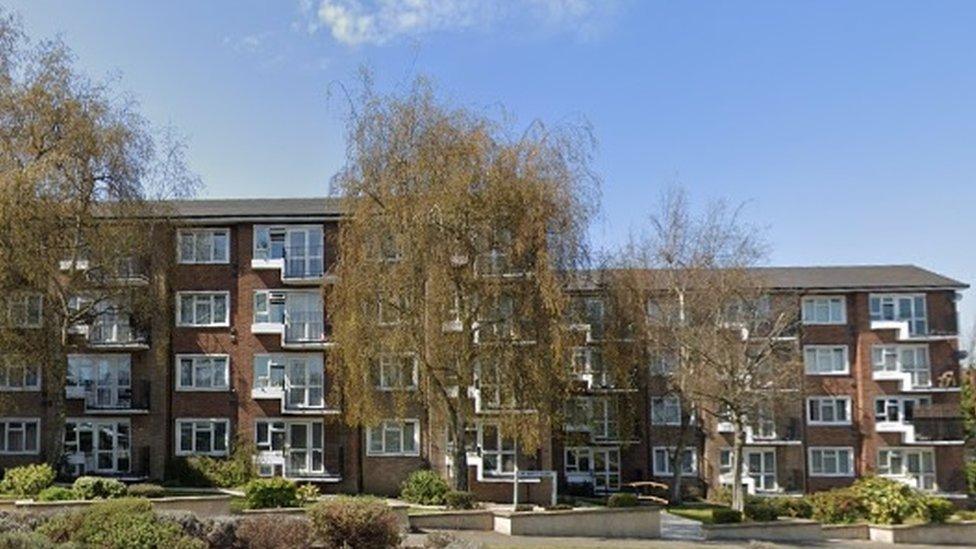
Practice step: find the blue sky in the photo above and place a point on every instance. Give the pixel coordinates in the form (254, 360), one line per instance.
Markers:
(848, 127)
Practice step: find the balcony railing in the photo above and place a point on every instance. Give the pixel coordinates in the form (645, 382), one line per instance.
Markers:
(303, 262)
(118, 399)
(938, 423)
(304, 327)
(108, 333)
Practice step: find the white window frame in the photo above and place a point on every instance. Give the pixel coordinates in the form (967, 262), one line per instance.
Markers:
(213, 436)
(669, 402)
(379, 434)
(22, 422)
(26, 298)
(914, 319)
(725, 461)
(829, 350)
(504, 447)
(194, 359)
(880, 367)
(811, 304)
(836, 451)
(208, 233)
(662, 467)
(9, 365)
(385, 377)
(819, 399)
(196, 295)
(904, 473)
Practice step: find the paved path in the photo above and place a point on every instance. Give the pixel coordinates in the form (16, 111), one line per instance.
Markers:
(681, 528)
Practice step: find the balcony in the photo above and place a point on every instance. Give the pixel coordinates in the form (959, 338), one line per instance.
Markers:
(116, 335)
(128, 271)
(782, 434)
(304, 329)
(303, 264)
(117, 400)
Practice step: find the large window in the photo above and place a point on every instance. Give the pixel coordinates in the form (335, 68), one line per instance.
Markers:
(300, 248)
(826, 359)
(824, 310)
(397, 371)
(17, 375)
(904, 307)
(665, 410)
(588, 361)
(290, 448)
(897, 409)
(97, 445)
(202, 372)
(300, 378)
(208, 437)
(203, 309)
(914, 466)
(831, 462)
(204, 246)
(19, 436)
(910, 359)
(829, 411)
(601, 463)
(104, 381)
(394, 438)
(761, 468)
(24, 309)
(497, 452)
(662, 462)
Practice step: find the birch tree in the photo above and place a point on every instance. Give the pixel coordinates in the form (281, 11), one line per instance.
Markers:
(451, 262)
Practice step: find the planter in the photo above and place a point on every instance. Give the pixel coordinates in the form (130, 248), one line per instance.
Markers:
(624, 522)
(846, 531)
(454, 520)
(780, 530)
(953, 533)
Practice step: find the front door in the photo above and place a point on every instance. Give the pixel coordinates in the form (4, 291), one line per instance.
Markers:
(761, 468)
(606, 469)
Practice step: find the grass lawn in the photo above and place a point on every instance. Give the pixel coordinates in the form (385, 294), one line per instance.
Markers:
(702, 512)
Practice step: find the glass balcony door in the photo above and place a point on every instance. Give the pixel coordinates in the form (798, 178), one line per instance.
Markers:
(303, 253)
(304, 319)
(305, 449)
(304, 383)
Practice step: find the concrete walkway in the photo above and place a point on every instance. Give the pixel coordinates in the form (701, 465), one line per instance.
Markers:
(680, 528)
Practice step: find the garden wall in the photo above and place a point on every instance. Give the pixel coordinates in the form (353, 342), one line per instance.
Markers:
(454, 520)
(961, 533)
(781, 530)
(630, 522)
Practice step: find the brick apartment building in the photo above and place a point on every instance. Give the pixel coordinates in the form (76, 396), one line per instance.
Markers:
(242, 357)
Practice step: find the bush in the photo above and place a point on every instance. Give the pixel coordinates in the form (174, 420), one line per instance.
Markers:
(456, 499)
(117, 524)
(27, 480)
(935, 509)
(98, 488)
(761, 511)
(205, 471)
(724, 515)
(622, 499)
(146, 490)
(966, 515)
(358, 522)
(792, 507)
(425, 487)
(265, 493)
(886, 501)
(24, 540)
(524, 508)
(18, 522)
(560, 507)
(837, 506)
(222, 532)
(307, 493)
(720, 495)
(272, 532)
(57, 493)
(970, 471)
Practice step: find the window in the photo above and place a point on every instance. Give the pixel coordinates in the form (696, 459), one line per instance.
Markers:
(588, 361)
(394, 438)
(896, 409)
(665, 411)
(600, 464)
(764, 428)
(397, 371)
(662, 462)
(824, 310)
(104, 381)
(831, 462)
(901, 307)
(829, 411)
(269, 307)
(826, 359)
(663, 363)
(910, 359)
(761, 468)
(100, 445)
(917, 466)
(202, 309)
(725, 461)
(24, 310)
(300, 247)
(304, 382)
(593, 316)
(269, 435)
(207, 437)
(202, 372)
(20, 436)
(15, 375)
(204, 246)
(497, 452)
(390, 308)
(269, 372)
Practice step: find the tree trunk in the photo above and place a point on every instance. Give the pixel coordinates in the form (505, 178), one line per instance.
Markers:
(55, 378)
(738, 497)
(459, 454)
(676, 461)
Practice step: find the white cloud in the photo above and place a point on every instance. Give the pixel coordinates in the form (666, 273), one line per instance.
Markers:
(354, 22)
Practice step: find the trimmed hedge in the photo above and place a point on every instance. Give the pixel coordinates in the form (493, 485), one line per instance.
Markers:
(265, 493)
(57, 493)
(723, 515)
(146, 490)
(622, 499)
(27, 480)
(424, 487)
(761, 511)
(459, 500)
(355, 522)
(117, 524)
(99, 488)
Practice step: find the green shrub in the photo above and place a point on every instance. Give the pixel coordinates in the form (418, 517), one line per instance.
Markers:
(24, 540)
(724, 515)
(27, 480)
(970, 471)
(935, 509)
(57, 493)
(623, 499)
(274, 532)
(146, 490)
(357, 522)
(456, 499)
(307, 493)
(205, 471)
(837, 506)
(761, 511)
(98, 488)
(560, 507)
(792, 507)
(425, 487)
(266, 493)
(886, 501)
(117, 524)
(966, 515)
(720, 495)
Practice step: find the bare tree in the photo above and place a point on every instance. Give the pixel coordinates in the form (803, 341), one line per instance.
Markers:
(451, 265)
(80, 175)
(702, 315)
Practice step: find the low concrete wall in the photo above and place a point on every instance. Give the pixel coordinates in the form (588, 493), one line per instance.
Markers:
(8, 505)
(955, 533)
(201, 506)
(629, 522)
(454, 520)
(846, 531)
(781, 530)
(287, 511)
